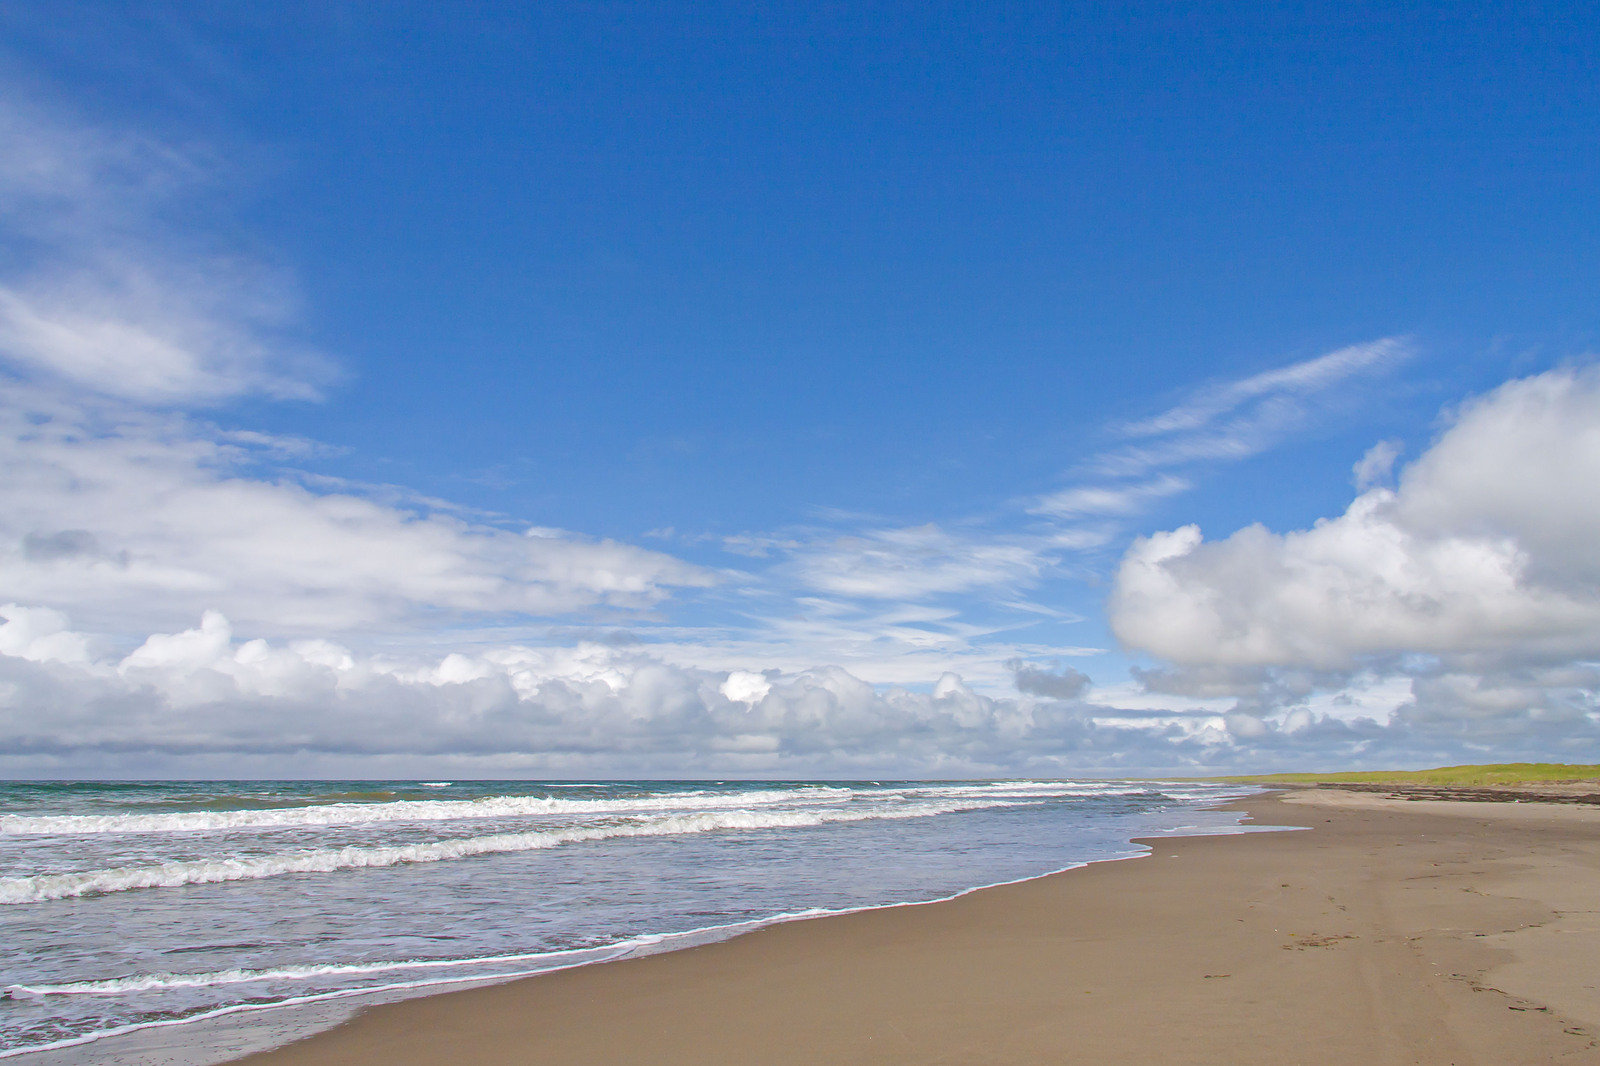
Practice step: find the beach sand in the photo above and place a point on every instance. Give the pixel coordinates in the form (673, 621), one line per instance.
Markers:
(1393, 931)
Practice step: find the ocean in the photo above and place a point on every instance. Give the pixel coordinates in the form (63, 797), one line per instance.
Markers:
(128, 906)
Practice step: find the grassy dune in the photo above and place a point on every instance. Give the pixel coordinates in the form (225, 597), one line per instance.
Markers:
(1510, 773)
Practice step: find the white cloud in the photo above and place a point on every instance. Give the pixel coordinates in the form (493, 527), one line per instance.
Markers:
(1238, 419)
(125, 336)
(39, 634)
(1114, 499)
(113, 302)
(1522, 463)
(204, 701)
(881, 643)
(200, 691)
(125, 517)
(1476, 582)
(201, 698)
(918, 562)
(935, 564)
(1374, 467)
(744, 687)
(1207, 406)
(130, 514)
(1064, 683)
(1486, 549)
(1229, 421)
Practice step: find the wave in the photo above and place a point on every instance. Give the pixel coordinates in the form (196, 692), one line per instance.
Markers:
(44, 887)
(1027, 791)
(611, 951)
(1039, 788)
(346, 813)
(161, 982)
(399, 811)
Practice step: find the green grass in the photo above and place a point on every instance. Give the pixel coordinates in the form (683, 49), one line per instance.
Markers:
(1510, 773)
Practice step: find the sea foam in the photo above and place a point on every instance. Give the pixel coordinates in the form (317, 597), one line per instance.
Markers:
(399, 811)
(487, 807)
(44, 887)
(161, 982)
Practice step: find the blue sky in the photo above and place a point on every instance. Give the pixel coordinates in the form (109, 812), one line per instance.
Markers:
(846, 364)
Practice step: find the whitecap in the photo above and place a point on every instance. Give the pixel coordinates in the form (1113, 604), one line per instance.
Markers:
(401, 811)
(43, 887)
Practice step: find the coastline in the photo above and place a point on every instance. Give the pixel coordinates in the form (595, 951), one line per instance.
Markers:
(1087, 834)
(1416, 931)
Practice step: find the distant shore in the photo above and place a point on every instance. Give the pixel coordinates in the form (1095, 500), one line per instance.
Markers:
(1404, 931)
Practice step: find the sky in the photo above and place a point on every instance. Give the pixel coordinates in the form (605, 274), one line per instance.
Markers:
(797, 390)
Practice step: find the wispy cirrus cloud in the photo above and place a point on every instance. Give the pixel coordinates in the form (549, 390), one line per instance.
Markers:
(916, 562)
(1221, 422)
(1116, 500)
(125, 508)
(1206, 406)
(1237, 419)
(109, 298)
(966, 570)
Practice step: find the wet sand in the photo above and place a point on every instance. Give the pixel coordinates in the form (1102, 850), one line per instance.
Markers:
(1395, 931)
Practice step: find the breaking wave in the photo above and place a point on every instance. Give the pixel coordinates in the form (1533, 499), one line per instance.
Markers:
(399, 811)
(43, 887)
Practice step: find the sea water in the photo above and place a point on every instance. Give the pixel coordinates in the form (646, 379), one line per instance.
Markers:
(130, 905)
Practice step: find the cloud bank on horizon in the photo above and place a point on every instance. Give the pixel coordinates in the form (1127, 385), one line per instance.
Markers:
(181, 597)
(1467, 596)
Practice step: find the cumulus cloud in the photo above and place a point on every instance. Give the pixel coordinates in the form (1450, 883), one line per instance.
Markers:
(744, 687)
(1486, 549)
(1474, 578)
(204, 698)
(202, 692)
(1063, 684)
(39, 634)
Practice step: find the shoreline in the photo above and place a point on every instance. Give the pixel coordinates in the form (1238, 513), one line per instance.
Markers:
(1255, 947)
(223, 1034)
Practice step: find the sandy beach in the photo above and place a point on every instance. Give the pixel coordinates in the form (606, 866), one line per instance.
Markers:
(1393, 931)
